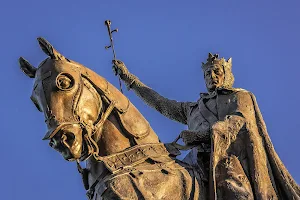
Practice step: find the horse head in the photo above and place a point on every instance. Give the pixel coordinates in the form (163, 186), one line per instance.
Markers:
(82, 110)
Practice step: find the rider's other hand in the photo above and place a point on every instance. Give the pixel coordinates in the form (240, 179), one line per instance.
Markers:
(188, 137)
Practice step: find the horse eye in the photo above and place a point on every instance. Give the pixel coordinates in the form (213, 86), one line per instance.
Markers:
(64, 81)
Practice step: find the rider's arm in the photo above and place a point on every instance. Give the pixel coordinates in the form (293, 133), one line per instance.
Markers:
(170, 108)
(195, 137)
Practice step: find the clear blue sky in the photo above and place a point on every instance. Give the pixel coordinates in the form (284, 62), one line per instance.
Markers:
(163, 43)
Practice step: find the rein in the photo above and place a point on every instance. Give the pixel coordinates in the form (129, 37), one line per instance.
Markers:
(91, 143)
(181, 147)
(96, 132)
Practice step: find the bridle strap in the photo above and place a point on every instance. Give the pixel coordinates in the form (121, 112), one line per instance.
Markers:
(98, 126)
(90, 191)
(96, 132)
(84, 174)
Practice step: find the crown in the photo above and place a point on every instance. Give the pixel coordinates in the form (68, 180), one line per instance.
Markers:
(214, 60)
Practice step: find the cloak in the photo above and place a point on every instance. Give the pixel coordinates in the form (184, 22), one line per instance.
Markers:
(244, 164)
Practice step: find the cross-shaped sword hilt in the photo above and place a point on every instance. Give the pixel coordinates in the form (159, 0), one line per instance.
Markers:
(108, 23)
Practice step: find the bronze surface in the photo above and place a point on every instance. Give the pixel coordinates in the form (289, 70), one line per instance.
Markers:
(88, 119)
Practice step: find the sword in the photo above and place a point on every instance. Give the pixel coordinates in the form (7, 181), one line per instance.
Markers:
(107, 24)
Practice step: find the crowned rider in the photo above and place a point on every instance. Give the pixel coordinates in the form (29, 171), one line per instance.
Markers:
(229, 130)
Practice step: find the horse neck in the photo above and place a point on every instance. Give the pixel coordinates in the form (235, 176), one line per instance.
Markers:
(112, 138)
(117, 136)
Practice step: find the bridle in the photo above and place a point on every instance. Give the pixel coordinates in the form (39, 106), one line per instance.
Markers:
(91, 132)
(95, 131)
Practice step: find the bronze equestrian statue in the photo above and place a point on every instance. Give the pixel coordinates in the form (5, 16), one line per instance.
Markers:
(225, 124)
(89, 119)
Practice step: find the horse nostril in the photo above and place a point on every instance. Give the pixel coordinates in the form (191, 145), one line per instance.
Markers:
(69, 138)
(51, 143)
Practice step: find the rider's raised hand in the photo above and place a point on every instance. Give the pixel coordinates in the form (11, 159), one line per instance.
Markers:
(119, 68)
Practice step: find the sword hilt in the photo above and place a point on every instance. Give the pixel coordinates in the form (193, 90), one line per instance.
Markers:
(107, 24)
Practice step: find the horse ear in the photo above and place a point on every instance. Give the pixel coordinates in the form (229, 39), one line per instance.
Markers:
(46, 47)
(49, 49)
(27, 68)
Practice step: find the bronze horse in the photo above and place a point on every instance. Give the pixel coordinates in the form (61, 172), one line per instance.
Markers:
(89, 119)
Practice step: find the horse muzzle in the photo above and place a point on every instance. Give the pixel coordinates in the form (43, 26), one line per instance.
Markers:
(66, 139)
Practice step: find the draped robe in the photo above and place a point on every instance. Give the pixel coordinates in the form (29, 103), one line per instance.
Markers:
(243, 162)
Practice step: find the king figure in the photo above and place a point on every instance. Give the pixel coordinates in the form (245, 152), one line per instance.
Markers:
(233, 147)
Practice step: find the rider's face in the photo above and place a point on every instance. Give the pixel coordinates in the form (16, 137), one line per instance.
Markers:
(214, 77)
